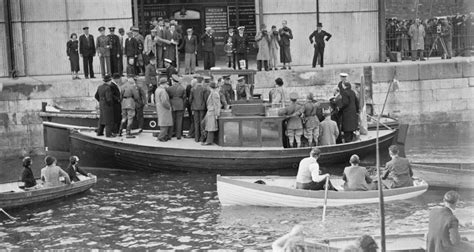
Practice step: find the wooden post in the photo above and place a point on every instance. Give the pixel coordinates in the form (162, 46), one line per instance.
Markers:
(8, 36)
(317, 11)
(381, 23)
(260, 12)
(135, 12)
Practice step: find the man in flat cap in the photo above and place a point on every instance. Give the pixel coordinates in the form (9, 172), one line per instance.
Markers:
(103, 49)
(106, 116)
(131, 51)
(87, 51)
(163, 110)
(319, 37)
(190, 45)
(241, 47)
(443, 228)
(115, 50)
(208, 48)
(177, 95)
(294, 126)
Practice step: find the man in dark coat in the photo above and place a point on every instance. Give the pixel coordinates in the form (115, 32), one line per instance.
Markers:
(208, 47)
(106, 117)
(131, 50)
(87, 51)
(115, 87)
(241, 47)
(285, 52)
(170, 70)
(319, 36)
(73, 168)
(198, 106)
(443, 234)
(115, 50)
(177, 95)
(350, 111)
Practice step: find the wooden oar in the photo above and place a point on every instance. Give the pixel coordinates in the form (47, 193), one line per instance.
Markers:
(9, 216)
(325, 199)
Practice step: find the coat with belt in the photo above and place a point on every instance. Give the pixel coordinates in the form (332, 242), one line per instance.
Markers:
(86, 45)
(208, 42)
(177, 95)
(293, 111)
(103, 45)
(72, 172)
(131, 47)
(190, 45)
(350, 109)
(240, 43)
(197, 97)
(263, 42)
(443, 234)
(213, 110)
(417, 35)
(106, 106)
(163, 107)
(129, 95)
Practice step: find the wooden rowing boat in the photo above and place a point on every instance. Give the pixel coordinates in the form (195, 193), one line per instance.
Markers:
(410, 242)
(446, 175)
(12, 196)
(145, 153)
(279, 191)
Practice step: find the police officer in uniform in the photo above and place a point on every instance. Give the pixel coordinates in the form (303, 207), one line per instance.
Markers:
(115, 50)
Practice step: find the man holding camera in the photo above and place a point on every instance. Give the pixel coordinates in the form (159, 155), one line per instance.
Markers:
(447, 36)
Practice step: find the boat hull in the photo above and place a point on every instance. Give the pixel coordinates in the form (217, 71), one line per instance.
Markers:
(447, 177)
(19, 198)
(107, 153)
(242, 191)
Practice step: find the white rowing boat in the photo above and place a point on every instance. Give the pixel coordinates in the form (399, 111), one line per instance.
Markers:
(280, 191)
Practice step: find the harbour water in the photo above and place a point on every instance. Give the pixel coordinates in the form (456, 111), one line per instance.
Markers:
(138, 210)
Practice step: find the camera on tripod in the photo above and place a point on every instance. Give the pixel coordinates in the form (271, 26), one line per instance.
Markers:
(438, 29)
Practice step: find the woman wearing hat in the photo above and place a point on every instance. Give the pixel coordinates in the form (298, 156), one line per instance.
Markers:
(27, 176)
(73, 55)
(51, 173)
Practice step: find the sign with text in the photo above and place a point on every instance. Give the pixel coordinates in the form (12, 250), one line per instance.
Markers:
(246, 18)
(216, 17)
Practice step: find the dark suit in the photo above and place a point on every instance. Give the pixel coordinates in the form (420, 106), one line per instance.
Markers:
(177, 96)
(117, 107)
(319, 45)
(443, 234)
(208, 45)
(72, 172)
(350, 109)
(115, 52)
(170, 52)
(150, 80)
(169, 72)
(190, 113)
(198, 106)
(131, 51)
(160, 47)
(87, 50)
(241, 46)
(106, 117)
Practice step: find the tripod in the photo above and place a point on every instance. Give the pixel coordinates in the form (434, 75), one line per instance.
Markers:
(438, 38)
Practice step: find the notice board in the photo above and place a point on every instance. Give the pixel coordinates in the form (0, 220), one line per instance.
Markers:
(216, 17)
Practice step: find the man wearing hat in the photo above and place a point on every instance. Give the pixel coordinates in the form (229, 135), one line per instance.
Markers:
(106, 116)
(87, 51)
(311, 120)
(197, 99)
(241, 47)
(208, 47)
(229, 36)
(328, 129)
(115, 50)
(177, 95)
(131, 51)
(115, 87)
(227, 90)
(103, 49)
(244, 91)
(190, 46)
(349, 111)
(319, 37)
(73, 168)
(443, 228)
(294, 126)
(129, 95)
(213, 105)
(163, 110)
(170, 70)
(171, 48)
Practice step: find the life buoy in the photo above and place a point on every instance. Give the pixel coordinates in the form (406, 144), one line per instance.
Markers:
(152, 124)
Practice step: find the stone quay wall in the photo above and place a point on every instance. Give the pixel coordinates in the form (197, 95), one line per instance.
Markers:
(430, 96)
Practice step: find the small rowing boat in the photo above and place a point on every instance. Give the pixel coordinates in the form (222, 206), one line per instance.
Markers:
(11, 195)
(409, 242)
(279, 191)
(446, 175)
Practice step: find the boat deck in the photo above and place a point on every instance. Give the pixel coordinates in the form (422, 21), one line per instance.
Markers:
(147, 139)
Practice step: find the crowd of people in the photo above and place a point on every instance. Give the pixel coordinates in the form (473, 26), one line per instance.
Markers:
(443, 37)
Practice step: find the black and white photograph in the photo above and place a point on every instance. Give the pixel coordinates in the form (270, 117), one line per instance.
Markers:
(237, 125)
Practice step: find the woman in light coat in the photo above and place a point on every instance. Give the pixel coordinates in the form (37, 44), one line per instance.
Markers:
(417, 35)
(263, 41)
(274, 47)
(163, 110)
(213, 112)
